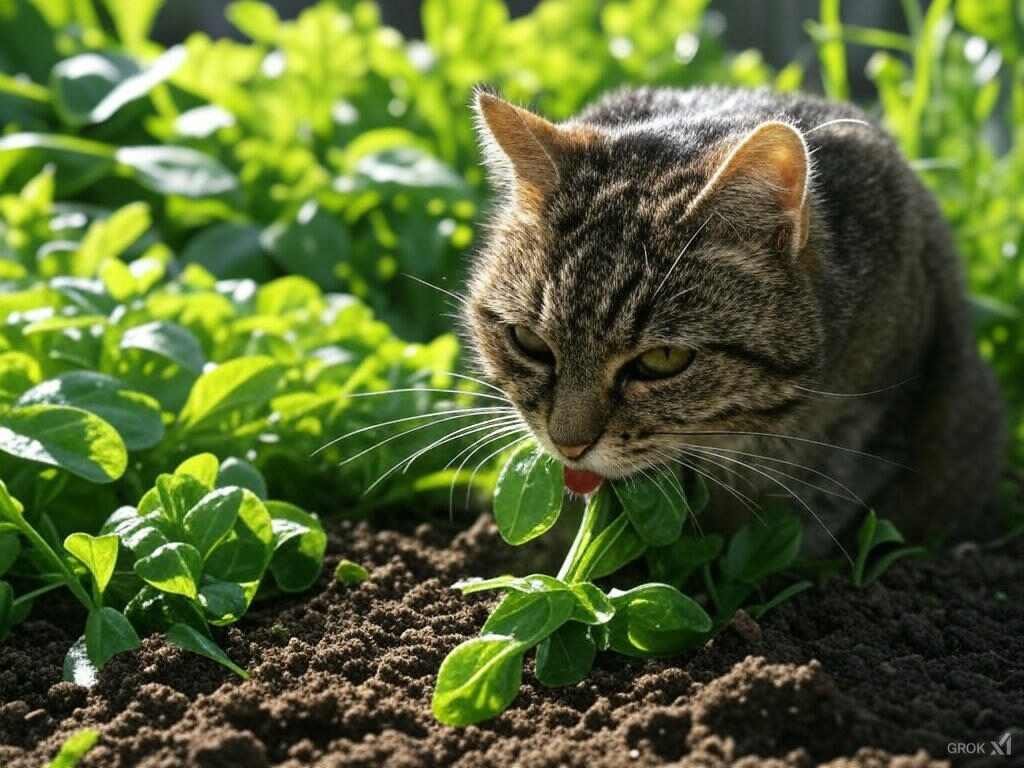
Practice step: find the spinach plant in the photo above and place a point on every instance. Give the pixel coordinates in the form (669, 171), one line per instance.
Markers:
(192, 554)
(879, 545)
(568, 618)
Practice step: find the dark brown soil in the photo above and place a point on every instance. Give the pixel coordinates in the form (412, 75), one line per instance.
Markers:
(890, 675)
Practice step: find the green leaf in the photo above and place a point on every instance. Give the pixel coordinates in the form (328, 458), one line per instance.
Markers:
(567, 656)
(617, 545)
(69, 438)
(11, 510)
(656, 515)
(298, 246)
(174, 567)
(762, 548)
(209, 521)
(110, 237)
(133, 20)
(992, 19)
(288, 294)
(243, 556)
(140, 534)
(886, 561)
(405, 170)
(92, 87)
(134, 415)
(697, 493)
(189, 639)
(299, 547)
(18, 372)
(203, 467)
(223, 601)
(530, 616)
(655, 620)
(784, 595)
(168, 340)
(97, 553)
(108, 632)
(10, 548)
(592, 605)
(151, 610)
(230, 250)
(349, 573)
(873, 533)
(478, 680)
(6, 609)
(174, 496)
(528, 496)
(177, 171)
(675, 563)
(537, 582)
(235, 471)
(244, 381)
(78, 668)
(79, 162)
(256, 20)
(75, 748)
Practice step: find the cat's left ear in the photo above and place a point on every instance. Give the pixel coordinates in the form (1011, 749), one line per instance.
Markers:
(770, 167)
(523, 150)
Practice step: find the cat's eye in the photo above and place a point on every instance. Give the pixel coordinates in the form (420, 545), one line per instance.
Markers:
(531, 345)
(661, 362)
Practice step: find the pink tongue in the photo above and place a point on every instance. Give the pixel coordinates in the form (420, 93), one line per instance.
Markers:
(580, 481)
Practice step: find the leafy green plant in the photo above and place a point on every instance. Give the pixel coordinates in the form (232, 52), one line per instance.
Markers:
(325, 146)
(878, 547)
(193, 553)
(568, 618)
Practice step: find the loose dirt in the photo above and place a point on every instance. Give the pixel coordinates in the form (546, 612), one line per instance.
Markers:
(897, 674)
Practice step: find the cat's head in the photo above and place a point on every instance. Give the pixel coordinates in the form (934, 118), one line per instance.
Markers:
(637, 283)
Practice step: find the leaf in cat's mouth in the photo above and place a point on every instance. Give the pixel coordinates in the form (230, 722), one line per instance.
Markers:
(582, 481)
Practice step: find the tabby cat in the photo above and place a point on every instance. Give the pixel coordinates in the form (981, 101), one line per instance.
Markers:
(752, 286)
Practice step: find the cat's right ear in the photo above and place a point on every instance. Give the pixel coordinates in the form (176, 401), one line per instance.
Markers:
(521, 149)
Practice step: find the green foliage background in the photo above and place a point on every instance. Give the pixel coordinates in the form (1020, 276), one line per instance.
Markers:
(218, 233)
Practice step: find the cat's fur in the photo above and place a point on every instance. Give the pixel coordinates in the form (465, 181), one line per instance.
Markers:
(795, 260)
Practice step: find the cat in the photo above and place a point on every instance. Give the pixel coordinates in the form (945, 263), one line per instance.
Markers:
(752, 286)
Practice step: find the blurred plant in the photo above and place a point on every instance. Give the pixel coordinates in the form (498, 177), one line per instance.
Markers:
(328, 147)
(952, 93)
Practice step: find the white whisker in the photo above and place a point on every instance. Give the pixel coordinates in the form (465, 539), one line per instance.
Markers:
(838, 121)
(781, 436)
(437, 390)
(405, 463)
(680, 256)
(796, 497)
(849, 495)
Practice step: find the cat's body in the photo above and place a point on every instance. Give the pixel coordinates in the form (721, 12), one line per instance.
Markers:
(790, 276)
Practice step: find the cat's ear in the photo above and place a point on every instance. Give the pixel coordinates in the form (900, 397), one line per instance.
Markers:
(521, 148)
(770, 166)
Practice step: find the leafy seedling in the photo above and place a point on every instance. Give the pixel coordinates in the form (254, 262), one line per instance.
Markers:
(349, 573)
(568, 618)
(878, 547)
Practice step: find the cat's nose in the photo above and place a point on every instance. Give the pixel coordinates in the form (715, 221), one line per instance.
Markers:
(573, 451)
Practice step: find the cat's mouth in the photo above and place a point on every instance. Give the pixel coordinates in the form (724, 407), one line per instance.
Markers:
(582, 481)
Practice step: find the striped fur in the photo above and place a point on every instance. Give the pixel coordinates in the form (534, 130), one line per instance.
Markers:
(816, 262)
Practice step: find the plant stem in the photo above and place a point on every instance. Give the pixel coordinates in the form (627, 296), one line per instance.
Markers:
(585, 534)
(69, 577)
(37, 592)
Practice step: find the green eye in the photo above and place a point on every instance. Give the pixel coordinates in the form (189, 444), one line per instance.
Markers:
(532, 345)
(662, 362)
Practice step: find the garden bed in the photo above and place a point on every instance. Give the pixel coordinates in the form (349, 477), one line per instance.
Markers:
(933, 654)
